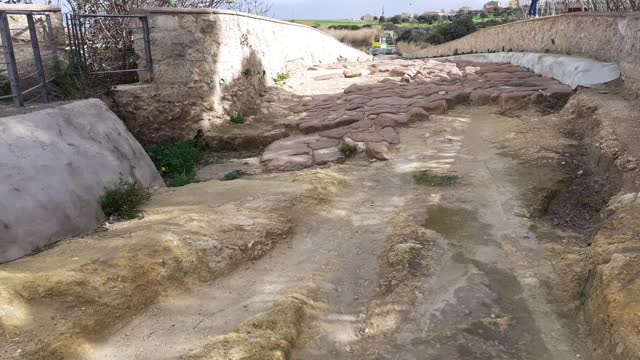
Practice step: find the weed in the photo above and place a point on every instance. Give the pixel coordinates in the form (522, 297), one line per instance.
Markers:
(123, 201)
(431, 179)
(72, 82)
(348, 149)
(176, 162)
(234, 175)
(237, 119)
(281, 78)
(581, 294)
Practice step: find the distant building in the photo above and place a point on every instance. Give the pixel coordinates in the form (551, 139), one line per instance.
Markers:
(514, 4)
(407, 16)
(467, 8)
(368, 17)
(492, 6)
(435, 12)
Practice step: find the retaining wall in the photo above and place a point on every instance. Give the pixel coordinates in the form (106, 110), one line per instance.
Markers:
(608, 37)
(55, 165)
(210, 64)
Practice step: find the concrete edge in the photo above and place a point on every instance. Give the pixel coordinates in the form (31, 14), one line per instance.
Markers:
(570, 70)
(29, 7)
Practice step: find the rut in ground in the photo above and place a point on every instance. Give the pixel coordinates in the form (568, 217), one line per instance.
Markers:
(484, 299)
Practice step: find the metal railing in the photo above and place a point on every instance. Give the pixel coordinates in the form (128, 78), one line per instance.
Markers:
(106, 44)
(26, 72)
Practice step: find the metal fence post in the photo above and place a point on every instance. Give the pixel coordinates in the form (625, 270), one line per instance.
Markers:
(147, 46)
(37, 58)
(10, 60)
(52, 39)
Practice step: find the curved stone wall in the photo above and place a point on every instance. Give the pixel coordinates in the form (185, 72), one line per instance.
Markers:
(608, 37)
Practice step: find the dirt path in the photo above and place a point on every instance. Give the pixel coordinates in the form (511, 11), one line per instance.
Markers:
(339, 246)
(486, 298)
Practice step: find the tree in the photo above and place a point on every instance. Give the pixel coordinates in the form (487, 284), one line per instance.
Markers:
(413, 35)
(484, 15)
(375, 18)
(459, 26)
(396, 19)
(382, 19)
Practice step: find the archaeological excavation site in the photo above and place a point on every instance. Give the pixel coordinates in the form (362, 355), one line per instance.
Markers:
(246, 188)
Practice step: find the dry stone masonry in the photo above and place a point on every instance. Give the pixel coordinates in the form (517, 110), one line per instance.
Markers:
(368, 114)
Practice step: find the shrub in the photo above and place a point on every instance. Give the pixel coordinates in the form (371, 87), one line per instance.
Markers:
(234, 175)
(123, 201)
(237, 119)
(72, 82)
(414, 35)
(432, 179)
(348, 149)
(459, 26)
(281, 78)
(176, 162)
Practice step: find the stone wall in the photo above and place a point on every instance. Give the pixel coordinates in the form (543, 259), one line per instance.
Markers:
(55, 165)
(210, 64)
(608, 37)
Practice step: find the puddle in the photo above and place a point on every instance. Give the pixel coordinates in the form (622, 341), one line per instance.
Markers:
(459, 226)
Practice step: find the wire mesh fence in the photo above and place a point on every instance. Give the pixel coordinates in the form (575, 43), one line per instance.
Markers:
(30, 56)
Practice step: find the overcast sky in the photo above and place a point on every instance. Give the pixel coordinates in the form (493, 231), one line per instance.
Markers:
(349, 9)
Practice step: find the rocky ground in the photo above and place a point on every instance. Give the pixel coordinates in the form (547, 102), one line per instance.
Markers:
(348, 257)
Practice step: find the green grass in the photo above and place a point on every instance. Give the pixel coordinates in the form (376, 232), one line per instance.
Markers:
(327, 23)
(234, 175)
(177, 162)
(237, 119)
(429, 178)
(348, 149)
(281, 78)
(123, 201)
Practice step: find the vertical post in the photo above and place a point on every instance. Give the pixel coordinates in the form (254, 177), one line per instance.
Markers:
(70, 37)
(37, 58)
(53, 46)
(147, 46)
(81, 30)
(10, 60)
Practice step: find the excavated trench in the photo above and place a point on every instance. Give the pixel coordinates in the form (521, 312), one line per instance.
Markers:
(359, 261)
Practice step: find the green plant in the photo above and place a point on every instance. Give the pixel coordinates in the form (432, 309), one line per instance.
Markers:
(123, 201)
(74, 82)
(429, 178)
(234, 175)
(348, 149)
(177, 162)
(237, 119)
(281, 78)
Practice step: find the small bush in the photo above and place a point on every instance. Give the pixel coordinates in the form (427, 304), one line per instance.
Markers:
(431, 179)
(234, 175)
(237, 119)
(281, 78)
(123, 201)
(72, 82)
(177, 162)
(348, 149)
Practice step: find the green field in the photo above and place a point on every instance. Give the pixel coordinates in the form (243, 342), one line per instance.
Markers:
(327, 23)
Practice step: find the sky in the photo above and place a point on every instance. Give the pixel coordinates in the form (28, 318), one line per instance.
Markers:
(354, 9)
